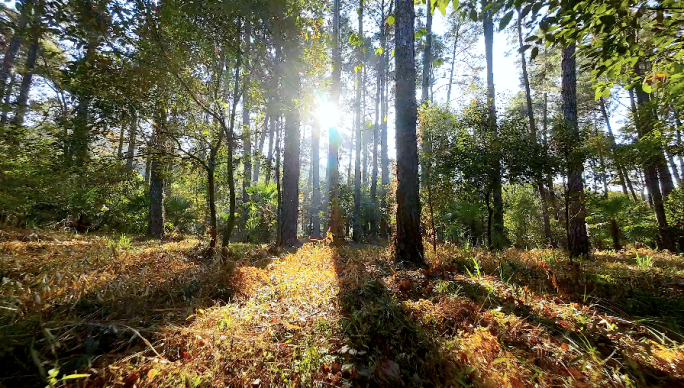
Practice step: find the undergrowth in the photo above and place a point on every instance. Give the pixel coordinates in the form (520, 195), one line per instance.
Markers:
(128, 312)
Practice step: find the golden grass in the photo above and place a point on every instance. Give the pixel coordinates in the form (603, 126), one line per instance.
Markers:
(166, 314)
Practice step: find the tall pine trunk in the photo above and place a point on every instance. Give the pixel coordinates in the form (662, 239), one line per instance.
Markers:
(356, 236)
(333, 175)
(27, 79)
(539, 176)
(290, 199)
(130, 153)
(316, 181)
(384, 107)
(246, 130)
(498, 239)
(374, 171)
(230, 139)
(157, 175)
(427, 55)
(578, 242)
(408, 244)
(13, 47)
(644, 121)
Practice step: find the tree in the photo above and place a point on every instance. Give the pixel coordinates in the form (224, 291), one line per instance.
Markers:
(578, 242)
(290, 200)
(498, 238)
(408, 244)
(334, 222)
(246, 130)
(533, 133)
(359, 135)
(427, 54)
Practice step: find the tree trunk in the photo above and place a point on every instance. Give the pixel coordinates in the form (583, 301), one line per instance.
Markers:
(157, 170)
(7, 100)
(230, 139)
(664, 176)
(427, 55)
(675, 171)
(25, 87)
(80, 141)
(408, 239)
(334, 139)
(279, 190)
(384, 107)
(130, 153)
(453, 63)
(316, 181)
(258, 155)
(374, 174)
(246, 130)
(356, 236)
(498, 236)
(211, 198)
(578, 242)
(290, 205)
(533, 134)
(13, 47)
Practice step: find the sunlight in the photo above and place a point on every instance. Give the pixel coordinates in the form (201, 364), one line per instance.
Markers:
(327, 114)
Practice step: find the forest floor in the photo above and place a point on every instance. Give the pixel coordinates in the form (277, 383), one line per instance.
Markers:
(104, 311)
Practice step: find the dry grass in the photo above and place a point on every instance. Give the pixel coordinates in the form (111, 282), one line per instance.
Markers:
(166, 314)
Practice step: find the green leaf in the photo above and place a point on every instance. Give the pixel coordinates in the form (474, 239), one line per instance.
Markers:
(535, 52)
(646, 88)
(606, 93)
(505, 20)
(419, 34)
(378, 51)
(442, 6)
(390, 20)
(78, 376)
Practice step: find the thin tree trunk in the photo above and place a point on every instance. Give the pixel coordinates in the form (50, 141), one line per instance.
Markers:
(498, 237)
(453, 63)
(356, 236)
(8, 99)
(157, 169)
(334, 139)
(230, 139)
(258, 156)
(427, 55)
(211, 198)
(374, 176)
(678, 126)
(25, 87)
(578, 242)
(675, 171)
(130, 153)
(13, 47)
(408, 244)
(533, 134)
(316, 181)
(246, 130)
(384, 157)
(279, 189)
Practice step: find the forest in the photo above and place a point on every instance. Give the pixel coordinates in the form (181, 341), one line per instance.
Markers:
(359, 193)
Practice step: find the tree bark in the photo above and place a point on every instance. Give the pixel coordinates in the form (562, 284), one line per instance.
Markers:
(533, 133)
(408, 243)
(356, 231)
(258, 152)
(333, 175)
(13, 47)
(157, 177)
(427, 55)
(374, 173)
(578, 242)
(316, 181)
(230, 139)
(290, 204)
(246, 130)
(499, 240)
(130, 153)
(27, 79)
(384, 107)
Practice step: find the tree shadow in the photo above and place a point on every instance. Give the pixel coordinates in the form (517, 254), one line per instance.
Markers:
(383, 345)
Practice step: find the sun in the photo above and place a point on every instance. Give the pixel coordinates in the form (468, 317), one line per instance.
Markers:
(327, 114)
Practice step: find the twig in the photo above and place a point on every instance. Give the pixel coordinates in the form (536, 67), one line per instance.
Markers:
(146, 341)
